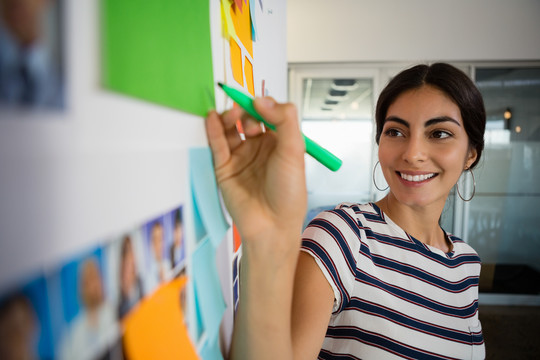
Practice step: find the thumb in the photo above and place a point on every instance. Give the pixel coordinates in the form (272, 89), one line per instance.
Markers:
(284, 118)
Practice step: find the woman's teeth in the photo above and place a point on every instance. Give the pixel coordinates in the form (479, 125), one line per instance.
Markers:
(416, 177)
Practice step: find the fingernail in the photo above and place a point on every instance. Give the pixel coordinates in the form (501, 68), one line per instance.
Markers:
(264, 102)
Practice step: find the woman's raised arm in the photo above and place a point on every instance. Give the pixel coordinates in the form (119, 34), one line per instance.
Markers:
(263, 185)
(262, 180)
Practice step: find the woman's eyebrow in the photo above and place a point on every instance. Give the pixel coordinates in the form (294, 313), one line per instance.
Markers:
(428, 123)
(398, 120)
(441, 119)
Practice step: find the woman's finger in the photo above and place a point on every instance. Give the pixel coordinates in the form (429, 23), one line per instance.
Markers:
(231, 117)
(217, 140)
(233, 137)
(252, 127)
(285, 119)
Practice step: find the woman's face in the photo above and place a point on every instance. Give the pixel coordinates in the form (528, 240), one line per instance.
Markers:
(423, 147)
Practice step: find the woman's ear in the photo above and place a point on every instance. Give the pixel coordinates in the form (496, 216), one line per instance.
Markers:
(471, 157)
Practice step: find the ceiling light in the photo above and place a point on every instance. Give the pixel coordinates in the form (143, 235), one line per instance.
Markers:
(344, 84)
(507, 114)
(336, 98)
(337, 95)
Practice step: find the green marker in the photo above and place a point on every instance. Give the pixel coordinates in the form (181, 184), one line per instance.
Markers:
(319, 153)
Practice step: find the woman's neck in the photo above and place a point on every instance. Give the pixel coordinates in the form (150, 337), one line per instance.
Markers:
(421, 222)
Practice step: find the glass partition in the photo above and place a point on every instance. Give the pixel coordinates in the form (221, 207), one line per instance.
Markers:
(504, 217)
(338, 113)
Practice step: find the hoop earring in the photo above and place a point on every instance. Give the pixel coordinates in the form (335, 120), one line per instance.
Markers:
(474, 187)
(374, 182)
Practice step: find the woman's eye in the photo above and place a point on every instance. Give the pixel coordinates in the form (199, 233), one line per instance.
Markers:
(393, 133)
(441, 134)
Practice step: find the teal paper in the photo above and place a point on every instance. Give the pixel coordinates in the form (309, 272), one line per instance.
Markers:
(208, 294)
(210, 350)
(200, 231)
(205, 193)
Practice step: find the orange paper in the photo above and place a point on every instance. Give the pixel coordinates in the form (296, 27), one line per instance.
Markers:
(242, 25)
(236, 62)
(248, 71)
(156, 329)
(237, 240)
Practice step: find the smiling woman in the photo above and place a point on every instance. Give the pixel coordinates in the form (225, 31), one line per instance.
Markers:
(423, 150)
(370, 281)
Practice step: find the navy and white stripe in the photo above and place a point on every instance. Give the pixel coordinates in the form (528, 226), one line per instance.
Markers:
(395, 297)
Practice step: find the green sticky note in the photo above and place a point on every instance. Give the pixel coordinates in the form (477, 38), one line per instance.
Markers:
(159, 51)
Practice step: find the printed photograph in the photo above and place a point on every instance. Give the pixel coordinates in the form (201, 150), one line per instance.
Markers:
(31, 54)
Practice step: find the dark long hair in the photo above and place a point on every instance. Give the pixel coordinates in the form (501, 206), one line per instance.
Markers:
(450, 80)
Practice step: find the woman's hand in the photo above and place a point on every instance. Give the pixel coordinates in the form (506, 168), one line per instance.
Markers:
(262, 178)
(263, 185)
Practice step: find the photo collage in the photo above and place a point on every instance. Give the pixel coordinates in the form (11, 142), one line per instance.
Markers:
(84, 308)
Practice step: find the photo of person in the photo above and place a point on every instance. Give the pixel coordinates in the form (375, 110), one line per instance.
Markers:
(158, 268)
(177, 249)
(31, 53)
(91, 330)
(25, 325)
(18, 325)
(131, 289)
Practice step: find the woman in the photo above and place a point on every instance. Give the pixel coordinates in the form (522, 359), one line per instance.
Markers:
(131, 291)
(366, 281)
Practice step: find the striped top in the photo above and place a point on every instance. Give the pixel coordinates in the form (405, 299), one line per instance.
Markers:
(394, 297)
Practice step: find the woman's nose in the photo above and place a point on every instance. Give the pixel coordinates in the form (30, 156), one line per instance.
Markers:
(415, 150)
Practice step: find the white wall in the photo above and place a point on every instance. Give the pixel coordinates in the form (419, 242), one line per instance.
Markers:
(107, 163)
(412, 30)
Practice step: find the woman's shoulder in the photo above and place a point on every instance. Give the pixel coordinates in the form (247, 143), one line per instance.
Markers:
(344, 209)
(360, 214)
(460, 246)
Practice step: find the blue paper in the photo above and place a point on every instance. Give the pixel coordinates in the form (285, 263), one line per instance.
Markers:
(210, 350)
(252, 17)
(200, 231)
(205, 193)
(208, 294)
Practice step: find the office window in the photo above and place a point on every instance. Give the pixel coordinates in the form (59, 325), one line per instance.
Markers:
(336, 110)
(503, 218)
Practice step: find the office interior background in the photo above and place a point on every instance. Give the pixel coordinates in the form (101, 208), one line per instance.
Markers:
(339, 55)
(342, 53)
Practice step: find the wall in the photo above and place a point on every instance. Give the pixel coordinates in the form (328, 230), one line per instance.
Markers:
(72, 178)
(412, 30)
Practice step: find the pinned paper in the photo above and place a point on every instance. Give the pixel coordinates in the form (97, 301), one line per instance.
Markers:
(239, 4)
(226, 20)
(200, 231)
(208, 294)
(248, 72)
(210, 350)
(236, 62)
(252, 5)
(170, 41)
(236, 279)
(205, 194)
(237, 240)
(242, 27)
(156, 329)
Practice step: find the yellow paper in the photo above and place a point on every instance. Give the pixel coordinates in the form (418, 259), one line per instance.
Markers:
(228, 26)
